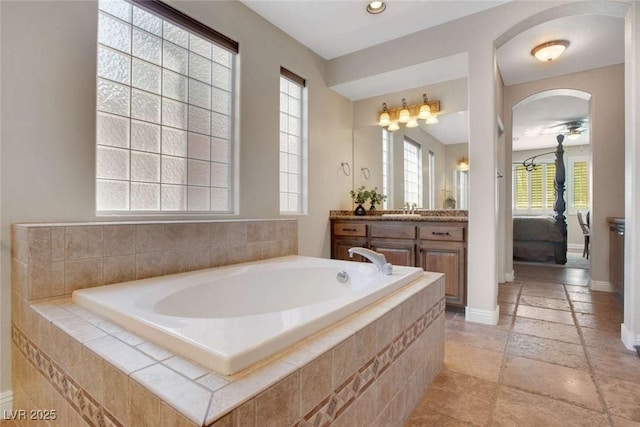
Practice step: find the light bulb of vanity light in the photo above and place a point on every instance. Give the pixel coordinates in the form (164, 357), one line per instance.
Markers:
(425, 112)
(393, 126)
(385, 120)
(412, 123)
(404, 116)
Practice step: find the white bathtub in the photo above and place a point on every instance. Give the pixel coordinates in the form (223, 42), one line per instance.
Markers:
(231, 317)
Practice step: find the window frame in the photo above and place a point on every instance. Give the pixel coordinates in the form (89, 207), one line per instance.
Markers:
(176, 18)
(432, 179)
(543, 161)
(303, 205)
(386, 168)
(419, 192)
(571, 160)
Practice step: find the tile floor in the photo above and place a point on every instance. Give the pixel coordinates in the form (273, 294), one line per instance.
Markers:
(555, 359)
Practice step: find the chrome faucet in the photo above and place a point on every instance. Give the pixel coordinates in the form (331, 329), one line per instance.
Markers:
(413, 207)
(379, 260)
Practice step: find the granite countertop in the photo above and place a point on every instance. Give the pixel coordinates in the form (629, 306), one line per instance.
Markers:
(445, 215)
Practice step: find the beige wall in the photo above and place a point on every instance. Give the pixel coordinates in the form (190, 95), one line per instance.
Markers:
(48, 108)
(606, 85)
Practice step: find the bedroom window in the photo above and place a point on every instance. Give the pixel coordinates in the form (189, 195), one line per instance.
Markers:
(412, 172)
(292, 143)
(386, 167)
(534, 191)
(578, 174)
(165, 95)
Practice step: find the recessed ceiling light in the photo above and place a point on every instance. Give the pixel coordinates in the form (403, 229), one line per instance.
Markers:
(547, 52)
(376, 7)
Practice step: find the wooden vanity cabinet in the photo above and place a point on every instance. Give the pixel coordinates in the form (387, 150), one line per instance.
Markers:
(434, 246)
(616, 254)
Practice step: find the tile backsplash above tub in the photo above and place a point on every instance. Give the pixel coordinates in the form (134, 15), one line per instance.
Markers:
(51, 260)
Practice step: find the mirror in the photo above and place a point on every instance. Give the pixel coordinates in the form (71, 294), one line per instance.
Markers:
(426, 165)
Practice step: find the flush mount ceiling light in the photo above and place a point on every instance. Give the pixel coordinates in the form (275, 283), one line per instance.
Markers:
(376, 6)
(547, 52)
(409, 114)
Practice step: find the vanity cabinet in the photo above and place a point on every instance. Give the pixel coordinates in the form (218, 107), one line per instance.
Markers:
(439, 246)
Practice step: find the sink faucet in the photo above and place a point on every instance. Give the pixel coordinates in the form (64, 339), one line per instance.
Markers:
(379, 260)
(413, 207)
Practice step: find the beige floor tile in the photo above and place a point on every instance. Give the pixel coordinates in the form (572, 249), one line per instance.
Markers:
(477, 362)
(529, 284)
(600, 338)
(534, 301)
(544, 329)
(522, 409)
(561, 353)
(609, 321)
(507, 297)
(507, 308)
(622, 364)
(595, 308)
(595, 297)
(545, 293)
(577, 289)
(621, 397)
(477, 335)
(545, 314)
(434, 419)
(623, 422)
(551, 380)
(462, 397)
(504, 322)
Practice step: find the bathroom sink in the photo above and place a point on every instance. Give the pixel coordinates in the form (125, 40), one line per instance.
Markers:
(401, 215)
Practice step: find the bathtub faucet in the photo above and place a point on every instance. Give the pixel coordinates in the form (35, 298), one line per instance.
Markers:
(376, 258)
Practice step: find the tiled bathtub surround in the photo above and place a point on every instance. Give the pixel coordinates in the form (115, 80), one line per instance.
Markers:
(369, 369)
(50, 260)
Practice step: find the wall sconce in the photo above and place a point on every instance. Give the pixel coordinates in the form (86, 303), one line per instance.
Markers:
(463, 164)
(409, 114)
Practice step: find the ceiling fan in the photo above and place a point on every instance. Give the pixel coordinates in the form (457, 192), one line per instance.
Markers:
(573, 129)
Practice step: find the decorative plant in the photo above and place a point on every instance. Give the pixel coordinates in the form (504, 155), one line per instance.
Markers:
(360, 195)
(449, 201)
(376, 198)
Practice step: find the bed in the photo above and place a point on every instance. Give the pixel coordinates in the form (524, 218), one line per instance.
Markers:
(544, 238)
(539, 239)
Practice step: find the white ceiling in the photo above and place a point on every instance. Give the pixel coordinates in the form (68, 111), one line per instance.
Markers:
(334, 28)
(596, 41)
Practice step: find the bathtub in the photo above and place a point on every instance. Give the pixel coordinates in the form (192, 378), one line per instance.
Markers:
(229, 318)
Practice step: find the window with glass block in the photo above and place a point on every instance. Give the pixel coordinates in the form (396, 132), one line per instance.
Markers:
(412, 172)
(291, 146)
(164, 115)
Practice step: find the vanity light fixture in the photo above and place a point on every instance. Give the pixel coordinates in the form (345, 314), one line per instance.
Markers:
(409, 114)
(547, 52)
(463, 164)
(376, 6)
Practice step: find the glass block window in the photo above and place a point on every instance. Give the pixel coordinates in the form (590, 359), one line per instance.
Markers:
(412, 172)
(432, 180)
(164, 113)
(386, 168)
(292, 146)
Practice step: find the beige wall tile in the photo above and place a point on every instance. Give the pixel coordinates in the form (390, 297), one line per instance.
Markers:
(226, 421)
(219, 256)
(116, 400)
(79, 328)
(39, 279)
(315, 383)
(39, 244)
(176, 236)
(150, 238)
(365, 406)
(175, 261)
(80, 274)
(149, 265)
(366, 344)
(57, 278)
(19, 277)
(57, 243)
(119, 239)
(286, 230)
(344, 362)
(20, 243)
(171, 418)
(245, 415)
(92, 374)
(119, 269)
(144, 406)
(119, 354)
(199, 258)
(280, 404)
(199, 235)
(84, 242)
(261, 231)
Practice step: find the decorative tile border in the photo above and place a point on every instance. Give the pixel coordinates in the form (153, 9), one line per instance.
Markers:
(345, 395)
(79, 399)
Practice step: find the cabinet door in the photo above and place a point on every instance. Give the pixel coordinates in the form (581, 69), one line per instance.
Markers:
(450, 261)
(341, 247)
(397, 252)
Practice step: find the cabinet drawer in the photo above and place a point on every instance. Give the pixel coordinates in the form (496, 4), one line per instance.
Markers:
(434, 232)
(398, 231)
(350, 229)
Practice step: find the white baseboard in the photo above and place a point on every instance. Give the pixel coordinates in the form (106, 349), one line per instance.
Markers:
(628, 339)
(575, 247)
(6, 402)
(510, 276)
(487, 317)
(597, 285)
